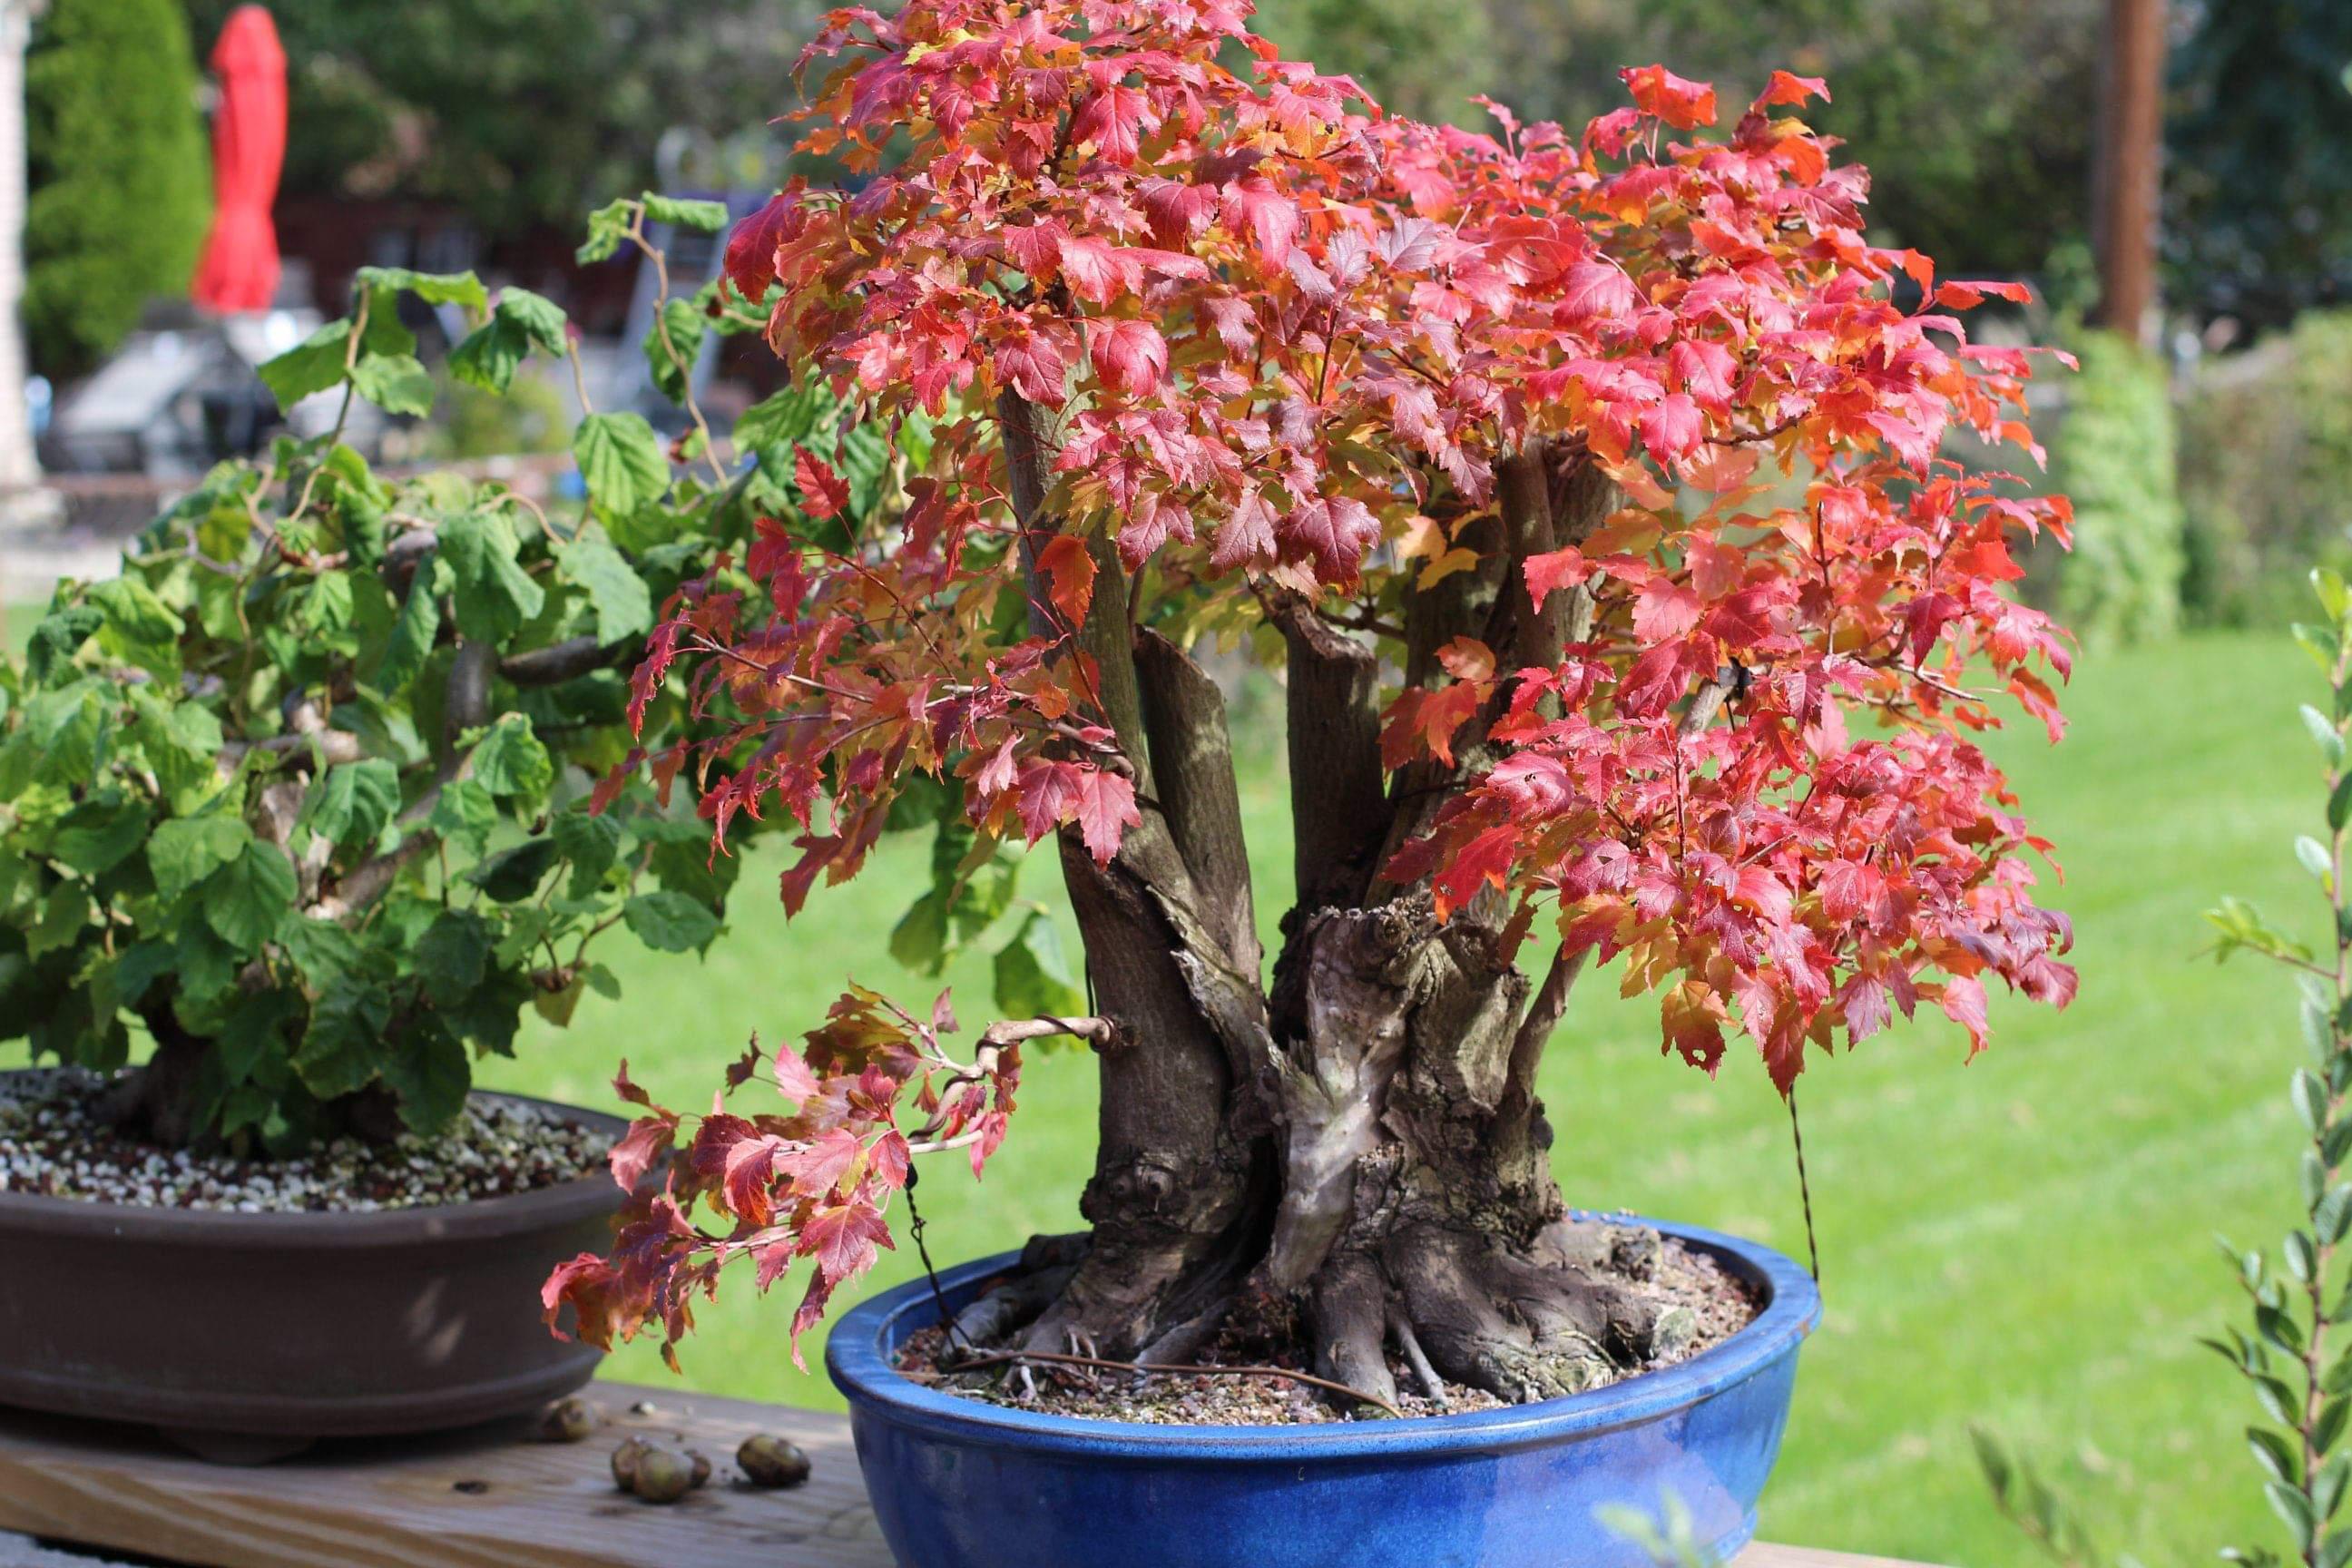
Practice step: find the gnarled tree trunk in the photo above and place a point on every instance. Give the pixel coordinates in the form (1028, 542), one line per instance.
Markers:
(1362, 1137)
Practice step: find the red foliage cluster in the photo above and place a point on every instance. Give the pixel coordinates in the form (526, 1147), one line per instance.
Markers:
(1268, 330)
(812, 1184)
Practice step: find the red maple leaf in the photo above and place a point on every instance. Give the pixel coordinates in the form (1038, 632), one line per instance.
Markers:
(824, 493)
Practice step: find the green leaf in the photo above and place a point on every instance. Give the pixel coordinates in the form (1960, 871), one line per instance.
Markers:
(2321, 644)
(341, 1050)
(491, 353)
(185, 850)
(2336, 1550)
(2302, 1257)
(511, 760)
(541, 318)
(707, 217)
(2310, 1096)
(65, 914)
(140, 630)
(453, 954)
(513, 874)
(353, 802)
(494, 596)
(462, 289)
(2313, 857)
(2279, 1331)
(2323, 734)
(397, 384)
(2330, 1424)
(2339, 804)
(248, 899)
(58, 636)
(327, 608)
(310, 366)
(785, 419)
(410, 646)
(2328, 1487)
(1033, 977)
(621, 459)
(2274, 1454)
(591, 843)
(2330, 1217)
(2289, 1503)
(465, 816)
(100, 834)
(488, 356)
(608, 225)
(624, 605)
(671, 363)
(143, 964)
(430, 1076)
(255, 1032)
(670, 922)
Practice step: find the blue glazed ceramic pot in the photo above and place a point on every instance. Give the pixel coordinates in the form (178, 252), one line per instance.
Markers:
(960, 1484)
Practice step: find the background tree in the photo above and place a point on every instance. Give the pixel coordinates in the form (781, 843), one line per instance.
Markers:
(122, 184)
(2259, 190)
(1973, 115)
(479, 102)
(1459, 429)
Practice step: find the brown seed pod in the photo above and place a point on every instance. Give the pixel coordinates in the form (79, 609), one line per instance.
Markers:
(624, 1462)
(662, 1475)
(567, 1421)
(770, 1461)
(700, 1467)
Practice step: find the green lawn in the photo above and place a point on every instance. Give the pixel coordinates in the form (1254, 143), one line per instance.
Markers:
(2020, 1242)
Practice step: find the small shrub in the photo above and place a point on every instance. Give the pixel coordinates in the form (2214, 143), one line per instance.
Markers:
(121, 180)
(2266, 472)
(2115, 457)
(304, 792)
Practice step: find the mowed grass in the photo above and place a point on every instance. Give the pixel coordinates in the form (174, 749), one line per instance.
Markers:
(2019, 1242)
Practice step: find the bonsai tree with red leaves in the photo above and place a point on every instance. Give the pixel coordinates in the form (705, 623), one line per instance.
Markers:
(1586, 492)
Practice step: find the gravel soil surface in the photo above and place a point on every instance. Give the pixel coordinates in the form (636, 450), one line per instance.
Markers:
(1677, 1276)
(52, 1143)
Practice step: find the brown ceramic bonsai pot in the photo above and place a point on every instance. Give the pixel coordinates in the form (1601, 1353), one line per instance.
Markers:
(246, 1335)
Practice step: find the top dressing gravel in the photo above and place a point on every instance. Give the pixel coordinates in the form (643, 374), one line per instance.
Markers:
(53, 1143)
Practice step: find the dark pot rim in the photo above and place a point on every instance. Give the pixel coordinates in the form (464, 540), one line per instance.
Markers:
(469, 1219)
(856, 1356)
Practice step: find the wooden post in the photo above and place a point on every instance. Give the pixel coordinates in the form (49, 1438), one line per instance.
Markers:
(2131, 146)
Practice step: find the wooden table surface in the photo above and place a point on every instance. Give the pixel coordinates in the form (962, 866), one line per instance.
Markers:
(484, 1499)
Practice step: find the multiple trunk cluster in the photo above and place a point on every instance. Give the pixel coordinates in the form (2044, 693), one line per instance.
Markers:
(1362, 1137)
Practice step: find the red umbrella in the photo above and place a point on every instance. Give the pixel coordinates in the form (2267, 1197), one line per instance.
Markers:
(239, 271)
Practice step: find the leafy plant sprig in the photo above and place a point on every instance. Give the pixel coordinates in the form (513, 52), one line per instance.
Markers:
(2302, 1383)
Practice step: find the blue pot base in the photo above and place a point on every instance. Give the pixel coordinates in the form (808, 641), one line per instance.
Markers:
(957, 1483)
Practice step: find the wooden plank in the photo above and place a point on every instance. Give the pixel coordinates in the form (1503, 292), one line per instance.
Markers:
(484, 1499)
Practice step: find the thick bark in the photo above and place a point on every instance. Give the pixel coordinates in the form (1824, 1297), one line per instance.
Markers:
(1339, 819)
(1360, 1144)
(1179, 1175)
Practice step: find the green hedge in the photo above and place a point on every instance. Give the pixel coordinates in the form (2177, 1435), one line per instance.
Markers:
(2266, 472)
(121, 182)
(2114, 456)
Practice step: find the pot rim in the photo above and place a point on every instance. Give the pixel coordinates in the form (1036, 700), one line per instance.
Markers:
(1792, 1310)
(469, 1219)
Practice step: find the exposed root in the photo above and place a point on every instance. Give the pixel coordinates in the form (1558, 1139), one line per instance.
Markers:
(1408, 1343)
(1520, 1328)
(1346, 1310)
(992, 1319)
